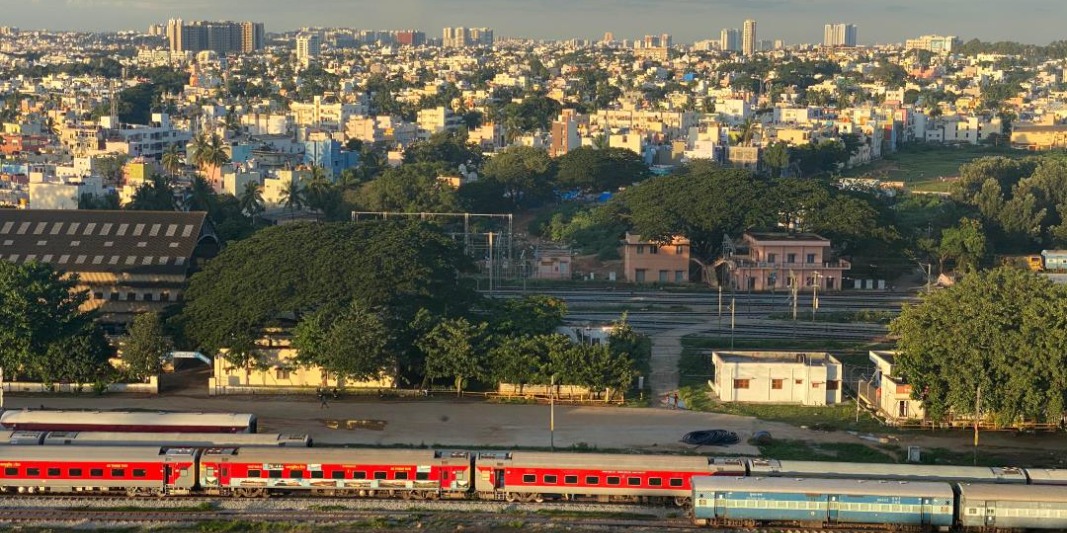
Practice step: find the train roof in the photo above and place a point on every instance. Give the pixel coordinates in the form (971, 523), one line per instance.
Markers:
(1025, 493)
(90, 453)
(1047, 476)
(200, 440)
(339, 455)
(774, 467)
(104, 418)
(605, 460)
(790, 485)
(21, 437)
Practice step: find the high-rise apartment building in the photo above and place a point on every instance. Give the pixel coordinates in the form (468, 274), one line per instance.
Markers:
(730, 40)
(839, 35)
(308, 46)
(460, 37)
(220, 37)
(409, 38)
(748, 38)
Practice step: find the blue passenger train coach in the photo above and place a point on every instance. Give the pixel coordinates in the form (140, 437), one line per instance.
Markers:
(755, 501)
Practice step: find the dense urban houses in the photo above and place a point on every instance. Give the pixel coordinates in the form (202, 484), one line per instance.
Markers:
(129, 261)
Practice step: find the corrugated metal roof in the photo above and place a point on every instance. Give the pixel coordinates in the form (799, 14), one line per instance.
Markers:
(114, 418)
(824, 486)
(101, 241)
(678, 463)
(822, 469)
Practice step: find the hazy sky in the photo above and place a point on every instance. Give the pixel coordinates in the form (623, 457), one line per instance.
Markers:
(1034, 21)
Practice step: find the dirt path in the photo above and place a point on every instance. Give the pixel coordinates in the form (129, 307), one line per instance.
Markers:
(666, 351)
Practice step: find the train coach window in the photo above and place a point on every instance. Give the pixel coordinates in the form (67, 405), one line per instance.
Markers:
(570, 480)
(11, 471)
(277, 474)
(550, 479)
(592, 480)
(614, 480)
(316, 474)
(118, 472)
(338, 474)
(529, 478)
(96, 472)
(359, 475)
(296, 474)
(53, 472)
(422, 476)
(655, 482)
(633, 481)
(33, 472)
(400, 475)
(75, 472)
(676, 482)
(253, 473)
(139, 472)
(380, 475)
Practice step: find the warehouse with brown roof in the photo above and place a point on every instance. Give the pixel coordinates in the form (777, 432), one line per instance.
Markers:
(129, 261)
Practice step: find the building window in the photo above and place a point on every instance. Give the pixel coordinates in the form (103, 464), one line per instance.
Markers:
(816, 385)
(679, 250)
(114, 296)
(741, 383)
(653, 249)
(832, 385)
(777, 384)
(640, 249)
(791, 258)
(148, 297)
(98, 295)
(282, 373)
(771, 258)
(679, 276)
(663, 276)
(639, 275)
(131, 296)
(164, 296)
(799, 382)
(811, 258)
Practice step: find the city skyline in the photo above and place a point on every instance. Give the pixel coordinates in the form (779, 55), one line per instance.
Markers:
(795, 21)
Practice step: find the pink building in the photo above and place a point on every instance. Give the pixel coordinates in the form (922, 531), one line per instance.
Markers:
(772, 259)
(654, 262)
(552, 264)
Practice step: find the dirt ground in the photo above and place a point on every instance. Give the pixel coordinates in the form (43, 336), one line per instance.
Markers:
(445, 422)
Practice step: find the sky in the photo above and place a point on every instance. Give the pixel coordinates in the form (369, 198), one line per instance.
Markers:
(795, 21)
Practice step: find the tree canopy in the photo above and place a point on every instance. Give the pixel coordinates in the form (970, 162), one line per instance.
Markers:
(1001, 331)
(591, 170)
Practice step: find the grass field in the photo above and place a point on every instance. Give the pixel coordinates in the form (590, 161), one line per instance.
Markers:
(922, 167)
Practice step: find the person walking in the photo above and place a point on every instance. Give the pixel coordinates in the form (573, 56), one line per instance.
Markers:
(322, 400)
(675, 400)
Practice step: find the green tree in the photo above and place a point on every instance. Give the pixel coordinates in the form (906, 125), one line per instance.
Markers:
(252, 199)
(172, 159)
(293, 196)
(776, 158)
(144, 346)
(964, 245)
(412, 188)
(592, 171)
(39, 309)
(516, 360)
(352, 342)
(999, 331)
(453, 349)
(450, 149)
(155, 194)
(526, 174)
(527, 316)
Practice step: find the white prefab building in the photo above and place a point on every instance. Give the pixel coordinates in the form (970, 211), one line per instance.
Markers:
(805, 378)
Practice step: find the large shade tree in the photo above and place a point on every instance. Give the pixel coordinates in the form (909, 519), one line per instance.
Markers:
(1001, 332)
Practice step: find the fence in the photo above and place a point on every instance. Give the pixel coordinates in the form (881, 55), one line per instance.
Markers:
(152, 387)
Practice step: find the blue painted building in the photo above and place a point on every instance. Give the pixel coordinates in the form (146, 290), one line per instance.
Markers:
(329, 155)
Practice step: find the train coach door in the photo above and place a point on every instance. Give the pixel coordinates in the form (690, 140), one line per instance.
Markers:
(990, 516)
(498, 479)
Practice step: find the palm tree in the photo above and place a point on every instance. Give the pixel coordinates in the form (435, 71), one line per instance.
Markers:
(293, 196)
(199, 146)
(215, 155)
(251, 200)
(172, 160)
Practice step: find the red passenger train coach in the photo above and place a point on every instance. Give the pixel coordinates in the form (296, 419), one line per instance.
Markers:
(532, 476)
(135, 471)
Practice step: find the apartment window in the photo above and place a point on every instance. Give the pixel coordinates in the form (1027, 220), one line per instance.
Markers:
(741, 383)
(679, 276)
(653, 249)
(550, 479)
(640, 249)
(529, 478)
(639, 275)
(282, 373)
(791, 258)
(115, 296)
(98, 295)
(816, 385)
(811, 258)
(663, 276)
(148, 297)
(777, 384)
(164, 296)
(832, 385)
(131, 296)
(570, 480)
(771, 258)
(799, 382)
